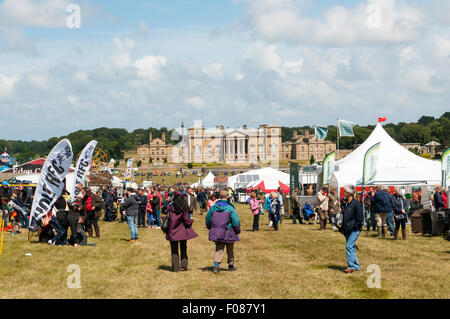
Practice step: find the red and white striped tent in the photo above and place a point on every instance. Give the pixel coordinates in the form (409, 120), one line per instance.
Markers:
(270, 180)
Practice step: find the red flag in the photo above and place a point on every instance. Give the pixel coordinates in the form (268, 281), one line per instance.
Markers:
(382, 119)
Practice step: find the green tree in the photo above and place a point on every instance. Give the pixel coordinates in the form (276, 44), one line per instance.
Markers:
(139, 163)
(415, 133)
(312, 160)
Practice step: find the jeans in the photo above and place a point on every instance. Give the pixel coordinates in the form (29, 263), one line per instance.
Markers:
(131, 220)
(256, 222)
(150, 220)
(141, 217)
(61, 232)
(350, 248)
(107, 217)
(158, 218)
(390, 222)
(370, 220)
(23, 218)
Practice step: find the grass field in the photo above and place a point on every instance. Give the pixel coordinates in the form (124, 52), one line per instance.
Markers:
(297, 262)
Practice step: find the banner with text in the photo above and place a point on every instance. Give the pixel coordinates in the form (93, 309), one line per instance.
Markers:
(294, 181)
(370, 164)
(446, 168)
(328, 167)
(51, 180)
(83, 165)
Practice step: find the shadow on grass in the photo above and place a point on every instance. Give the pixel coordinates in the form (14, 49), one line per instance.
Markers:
(211, 269)
(336, 267)
(165, 267)
(123, 239)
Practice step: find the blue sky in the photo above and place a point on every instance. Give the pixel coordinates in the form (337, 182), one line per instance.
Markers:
(136, 64)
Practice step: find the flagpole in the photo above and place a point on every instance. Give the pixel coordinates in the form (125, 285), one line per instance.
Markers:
(315, 140)
(337, 131)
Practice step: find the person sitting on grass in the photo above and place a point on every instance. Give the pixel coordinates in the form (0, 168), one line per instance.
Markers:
(224, 226)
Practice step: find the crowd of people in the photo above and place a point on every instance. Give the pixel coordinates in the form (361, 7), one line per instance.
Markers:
(147, 208)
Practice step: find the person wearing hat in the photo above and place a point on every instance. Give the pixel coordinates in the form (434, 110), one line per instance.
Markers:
(131, 207)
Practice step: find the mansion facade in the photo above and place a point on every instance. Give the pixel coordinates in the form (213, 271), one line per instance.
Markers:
(233, 146)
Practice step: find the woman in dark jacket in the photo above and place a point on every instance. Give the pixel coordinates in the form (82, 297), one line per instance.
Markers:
(179, 232)
(400, 216)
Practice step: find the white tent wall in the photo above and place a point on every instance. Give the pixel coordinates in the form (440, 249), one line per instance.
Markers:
(267, 173)
(396, 165)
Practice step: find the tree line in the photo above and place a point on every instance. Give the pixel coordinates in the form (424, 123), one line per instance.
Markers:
(116, 140)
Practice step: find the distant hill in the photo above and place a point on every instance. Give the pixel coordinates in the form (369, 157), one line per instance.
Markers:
(115, 140)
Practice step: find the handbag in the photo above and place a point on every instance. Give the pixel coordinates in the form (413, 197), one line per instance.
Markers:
(165, 223)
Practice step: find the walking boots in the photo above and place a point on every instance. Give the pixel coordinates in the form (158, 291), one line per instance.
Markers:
(404, 234)
(383, 232)
(395, 234)
(89, 231)
(97, 231)
(379, 232)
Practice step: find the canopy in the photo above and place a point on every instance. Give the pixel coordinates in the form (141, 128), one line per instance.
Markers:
(396, 165)
(34, 178)
(208, 181)
(266, 179)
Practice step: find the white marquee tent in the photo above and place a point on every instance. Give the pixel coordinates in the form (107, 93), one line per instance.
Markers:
(208, 181)
(396, 165)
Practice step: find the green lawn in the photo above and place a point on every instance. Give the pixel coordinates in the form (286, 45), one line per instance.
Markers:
(297, 262)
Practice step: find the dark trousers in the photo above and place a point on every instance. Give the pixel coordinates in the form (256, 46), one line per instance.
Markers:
(296, 215)
(108, 215)
(176, 256)
(275, 218)
(256, 222)
(91, 220)
(400, 222)
(141, 217)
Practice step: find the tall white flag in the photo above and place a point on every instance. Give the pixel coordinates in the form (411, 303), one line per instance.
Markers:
(83, 164)
(51, 181)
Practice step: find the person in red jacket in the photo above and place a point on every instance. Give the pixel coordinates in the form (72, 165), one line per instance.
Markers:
(444, 198)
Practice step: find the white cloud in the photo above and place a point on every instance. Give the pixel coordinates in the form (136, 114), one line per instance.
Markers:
(213, 70)
(7, 85)
(48, 13)
(149, 67)
(196, 102)
(80, 77)
(285, 21)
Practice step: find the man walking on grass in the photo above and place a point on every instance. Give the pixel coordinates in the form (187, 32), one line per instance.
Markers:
(351, 227)
(224, 226)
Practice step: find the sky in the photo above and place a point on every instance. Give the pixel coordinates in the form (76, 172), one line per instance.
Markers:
(153, 63)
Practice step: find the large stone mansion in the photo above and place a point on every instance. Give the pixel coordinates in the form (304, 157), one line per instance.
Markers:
(233, 146)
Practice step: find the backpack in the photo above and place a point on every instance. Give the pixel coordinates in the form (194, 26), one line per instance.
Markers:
(307, 210)
(273, 207)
